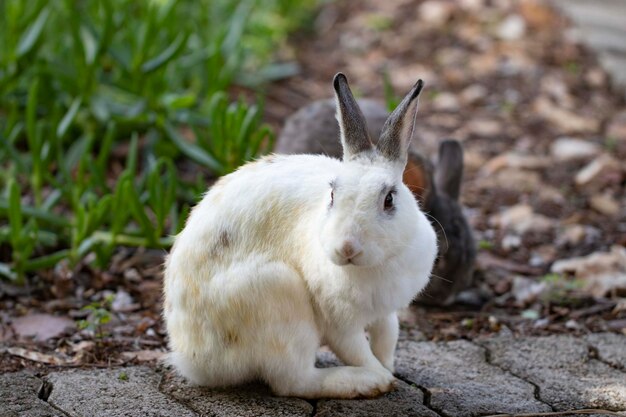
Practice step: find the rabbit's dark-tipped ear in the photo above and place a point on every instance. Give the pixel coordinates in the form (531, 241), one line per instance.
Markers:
(398, 129)
(354, 136)
(450, 168)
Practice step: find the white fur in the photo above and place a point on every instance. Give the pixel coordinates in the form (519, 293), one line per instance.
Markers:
(253, 286)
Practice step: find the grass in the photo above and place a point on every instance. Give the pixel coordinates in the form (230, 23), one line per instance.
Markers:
(107, 106)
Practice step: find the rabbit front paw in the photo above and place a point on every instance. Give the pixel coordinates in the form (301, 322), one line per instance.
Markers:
(377, 382)
(359, 382)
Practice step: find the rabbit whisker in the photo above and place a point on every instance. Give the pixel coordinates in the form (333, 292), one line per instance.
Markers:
(442, 231)
(441, 278)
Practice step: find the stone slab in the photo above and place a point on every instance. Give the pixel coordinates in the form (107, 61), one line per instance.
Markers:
(406, 400)
(601, 25)
(112, 393)
(460, 382)
(611, 348)
(19, 396)
(244, 401)
(567, 377)
(599, 13)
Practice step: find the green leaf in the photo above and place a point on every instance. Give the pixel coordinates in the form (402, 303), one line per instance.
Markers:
(6, 271)
(31, 117)
(166, 56)
(39, 214)
(133, 200)
(33, 33)
(192, 151)
(90, 45)
(15, 213)
(131, 158)
(68, 118)
(46, 261)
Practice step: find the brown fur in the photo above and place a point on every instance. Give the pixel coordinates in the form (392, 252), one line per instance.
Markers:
(417, 180)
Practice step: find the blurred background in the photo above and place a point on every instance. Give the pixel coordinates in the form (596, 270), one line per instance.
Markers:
(115, 116)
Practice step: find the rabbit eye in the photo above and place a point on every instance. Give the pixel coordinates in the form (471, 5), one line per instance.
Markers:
(332, 197)
(389, 201)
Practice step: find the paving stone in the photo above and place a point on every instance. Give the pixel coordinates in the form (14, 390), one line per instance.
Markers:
(611, 348)
(615, 65)
(405, 401)
(598, 13)
(19, 397)
(244, 401)
(601, 25)
(112, 393)
(560, 366)
(604, 39)
(461, 382)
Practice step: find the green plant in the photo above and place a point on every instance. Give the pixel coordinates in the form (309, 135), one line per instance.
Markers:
(99, 314)
(391, 98)
(561, 290)
(232, 135)
(485, 244)
(104, 103)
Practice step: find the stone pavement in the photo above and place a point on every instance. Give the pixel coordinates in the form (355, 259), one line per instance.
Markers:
(601, 25)
(500, 375)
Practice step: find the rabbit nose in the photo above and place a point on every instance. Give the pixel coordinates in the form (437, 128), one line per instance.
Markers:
(349, 250)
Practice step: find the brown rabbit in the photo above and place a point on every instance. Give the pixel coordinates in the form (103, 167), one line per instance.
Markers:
(313, 129)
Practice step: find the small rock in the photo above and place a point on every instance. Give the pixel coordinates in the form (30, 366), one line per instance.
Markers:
(595, 77)
(542, 255)
(566, 149)
(435, 12)
(473, 5)
(473, 159)
(530, 314)
(617, 127)
(511, 179)
(605, 204)
(537, 13)
(572, 235)
(601, 171)
(565, 119)
(526, 290)
(514, 160)
(446, 102)
(483, 64)
(511, 242)
(511, 28)
(556, 87)
(484, 127)
(522, 219)
(473, 94)
(123, 302)
(601, 272)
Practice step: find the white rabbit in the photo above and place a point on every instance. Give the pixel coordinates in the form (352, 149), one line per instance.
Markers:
(290, 252)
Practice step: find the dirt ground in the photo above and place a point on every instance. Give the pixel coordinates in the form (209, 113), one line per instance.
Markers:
(544, 139)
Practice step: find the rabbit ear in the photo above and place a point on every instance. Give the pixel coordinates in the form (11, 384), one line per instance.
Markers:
(398, 129)
(354, 136)
(418, 177)
(450, 168)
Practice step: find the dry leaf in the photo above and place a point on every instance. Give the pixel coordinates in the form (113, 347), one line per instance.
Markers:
(144, 355)
(601, 272)
(39, 357)
(41, 326)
